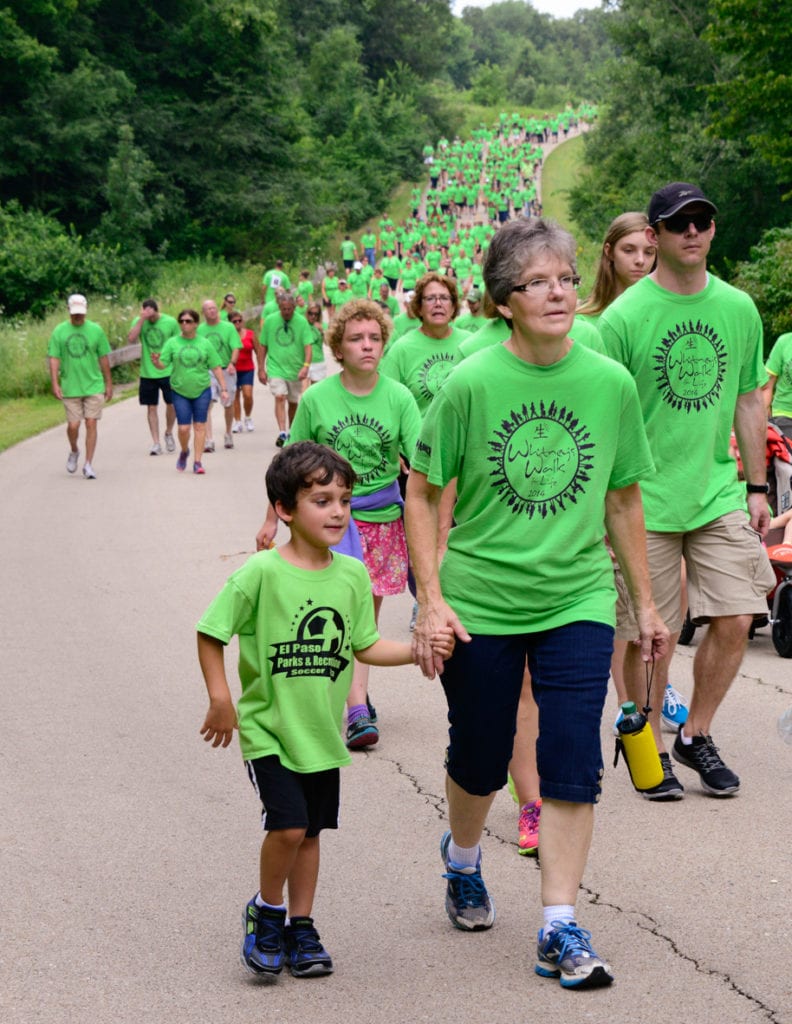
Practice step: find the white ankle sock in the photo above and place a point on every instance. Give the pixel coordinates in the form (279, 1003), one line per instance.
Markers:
(463, 856)
(562, 912)
(263, 903)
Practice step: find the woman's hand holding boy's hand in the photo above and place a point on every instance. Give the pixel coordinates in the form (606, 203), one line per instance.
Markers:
(219, 724)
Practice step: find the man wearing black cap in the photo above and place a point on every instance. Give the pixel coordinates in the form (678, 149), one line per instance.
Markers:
(694, 346)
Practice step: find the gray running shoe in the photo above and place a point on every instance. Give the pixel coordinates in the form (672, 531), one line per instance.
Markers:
(467, 901)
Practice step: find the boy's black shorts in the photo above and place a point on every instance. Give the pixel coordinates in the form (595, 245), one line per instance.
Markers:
(295, 799)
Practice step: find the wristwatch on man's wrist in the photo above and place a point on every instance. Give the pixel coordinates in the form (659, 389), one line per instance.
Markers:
(757, 488)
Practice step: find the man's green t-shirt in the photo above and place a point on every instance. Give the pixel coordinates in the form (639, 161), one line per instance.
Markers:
(276, 279)
(153, 335)
(370, 431)
(223, 337)
(779, 363)
(471, 322)
(535, 450)
(423, 363)
(79, 350)
(189, 362)
(691, 357)
(347, 249)
(285, 343)
(297, 632)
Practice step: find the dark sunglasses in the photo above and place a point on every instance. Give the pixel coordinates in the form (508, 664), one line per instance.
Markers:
(679, 223)
(236, 319)
(186, 320)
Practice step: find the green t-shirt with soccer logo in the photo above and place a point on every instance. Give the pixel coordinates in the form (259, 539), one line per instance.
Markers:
(691, 357)
(535, 450)
(298, 630)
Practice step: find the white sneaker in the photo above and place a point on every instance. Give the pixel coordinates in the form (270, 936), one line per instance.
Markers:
(249, 425)
(229, 441)
(236, 427)
(155, 450)
(71, 462)
(170, 444)
(209, 446)
(88, 472)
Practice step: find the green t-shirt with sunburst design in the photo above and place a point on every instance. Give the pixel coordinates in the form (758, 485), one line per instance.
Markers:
(535, 449)
(691, 357)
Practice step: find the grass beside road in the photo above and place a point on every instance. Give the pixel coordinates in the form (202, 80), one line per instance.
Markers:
(24, 417)
(21, 418)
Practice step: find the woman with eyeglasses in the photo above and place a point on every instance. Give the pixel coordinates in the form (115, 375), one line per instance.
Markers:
(190, 358)
(546, 440)
(246, 371)
(422, 358)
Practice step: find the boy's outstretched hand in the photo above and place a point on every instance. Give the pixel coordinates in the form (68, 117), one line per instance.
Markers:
(443, 642)
(219, 724)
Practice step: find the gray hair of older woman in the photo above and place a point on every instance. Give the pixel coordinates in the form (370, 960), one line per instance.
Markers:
(517, 245)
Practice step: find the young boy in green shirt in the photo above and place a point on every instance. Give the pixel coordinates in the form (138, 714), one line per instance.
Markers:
(302, 614)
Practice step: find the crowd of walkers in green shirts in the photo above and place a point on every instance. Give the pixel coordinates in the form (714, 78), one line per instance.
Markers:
(502, 445)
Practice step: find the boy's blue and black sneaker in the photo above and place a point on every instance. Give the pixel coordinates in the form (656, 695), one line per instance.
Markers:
(263, 947)
(467, 901)
(305, 954)
(565, 953)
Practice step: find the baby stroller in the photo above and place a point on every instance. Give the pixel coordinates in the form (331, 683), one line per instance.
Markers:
(779, 476)
(779, 601)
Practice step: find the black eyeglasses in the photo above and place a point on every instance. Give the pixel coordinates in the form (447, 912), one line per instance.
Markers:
(680, 222)
(186, 320)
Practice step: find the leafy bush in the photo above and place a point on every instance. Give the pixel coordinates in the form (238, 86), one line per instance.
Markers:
(767, 277)
(41, 262)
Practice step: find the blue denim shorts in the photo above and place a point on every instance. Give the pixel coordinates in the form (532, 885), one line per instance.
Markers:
(244, 377)
(569, 667)
(191, 410)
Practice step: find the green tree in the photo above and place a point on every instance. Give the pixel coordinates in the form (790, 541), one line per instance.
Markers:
(753, 96)
(654, 128)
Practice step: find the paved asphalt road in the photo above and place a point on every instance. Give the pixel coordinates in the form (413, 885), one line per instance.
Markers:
(129, 848)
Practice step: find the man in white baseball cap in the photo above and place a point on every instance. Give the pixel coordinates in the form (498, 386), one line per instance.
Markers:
(79, 362)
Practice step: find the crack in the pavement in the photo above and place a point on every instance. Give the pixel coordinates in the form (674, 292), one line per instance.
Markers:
(652, 926)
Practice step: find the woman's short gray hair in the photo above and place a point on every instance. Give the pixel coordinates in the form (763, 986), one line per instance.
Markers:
(516, 246)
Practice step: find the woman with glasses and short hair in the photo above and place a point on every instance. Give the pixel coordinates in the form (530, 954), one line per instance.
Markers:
(190, 358)
(246, 370)
(422, 358)
(546, 441)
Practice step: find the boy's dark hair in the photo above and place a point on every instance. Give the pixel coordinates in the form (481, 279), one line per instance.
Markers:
(301, 464)
(150, 304)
